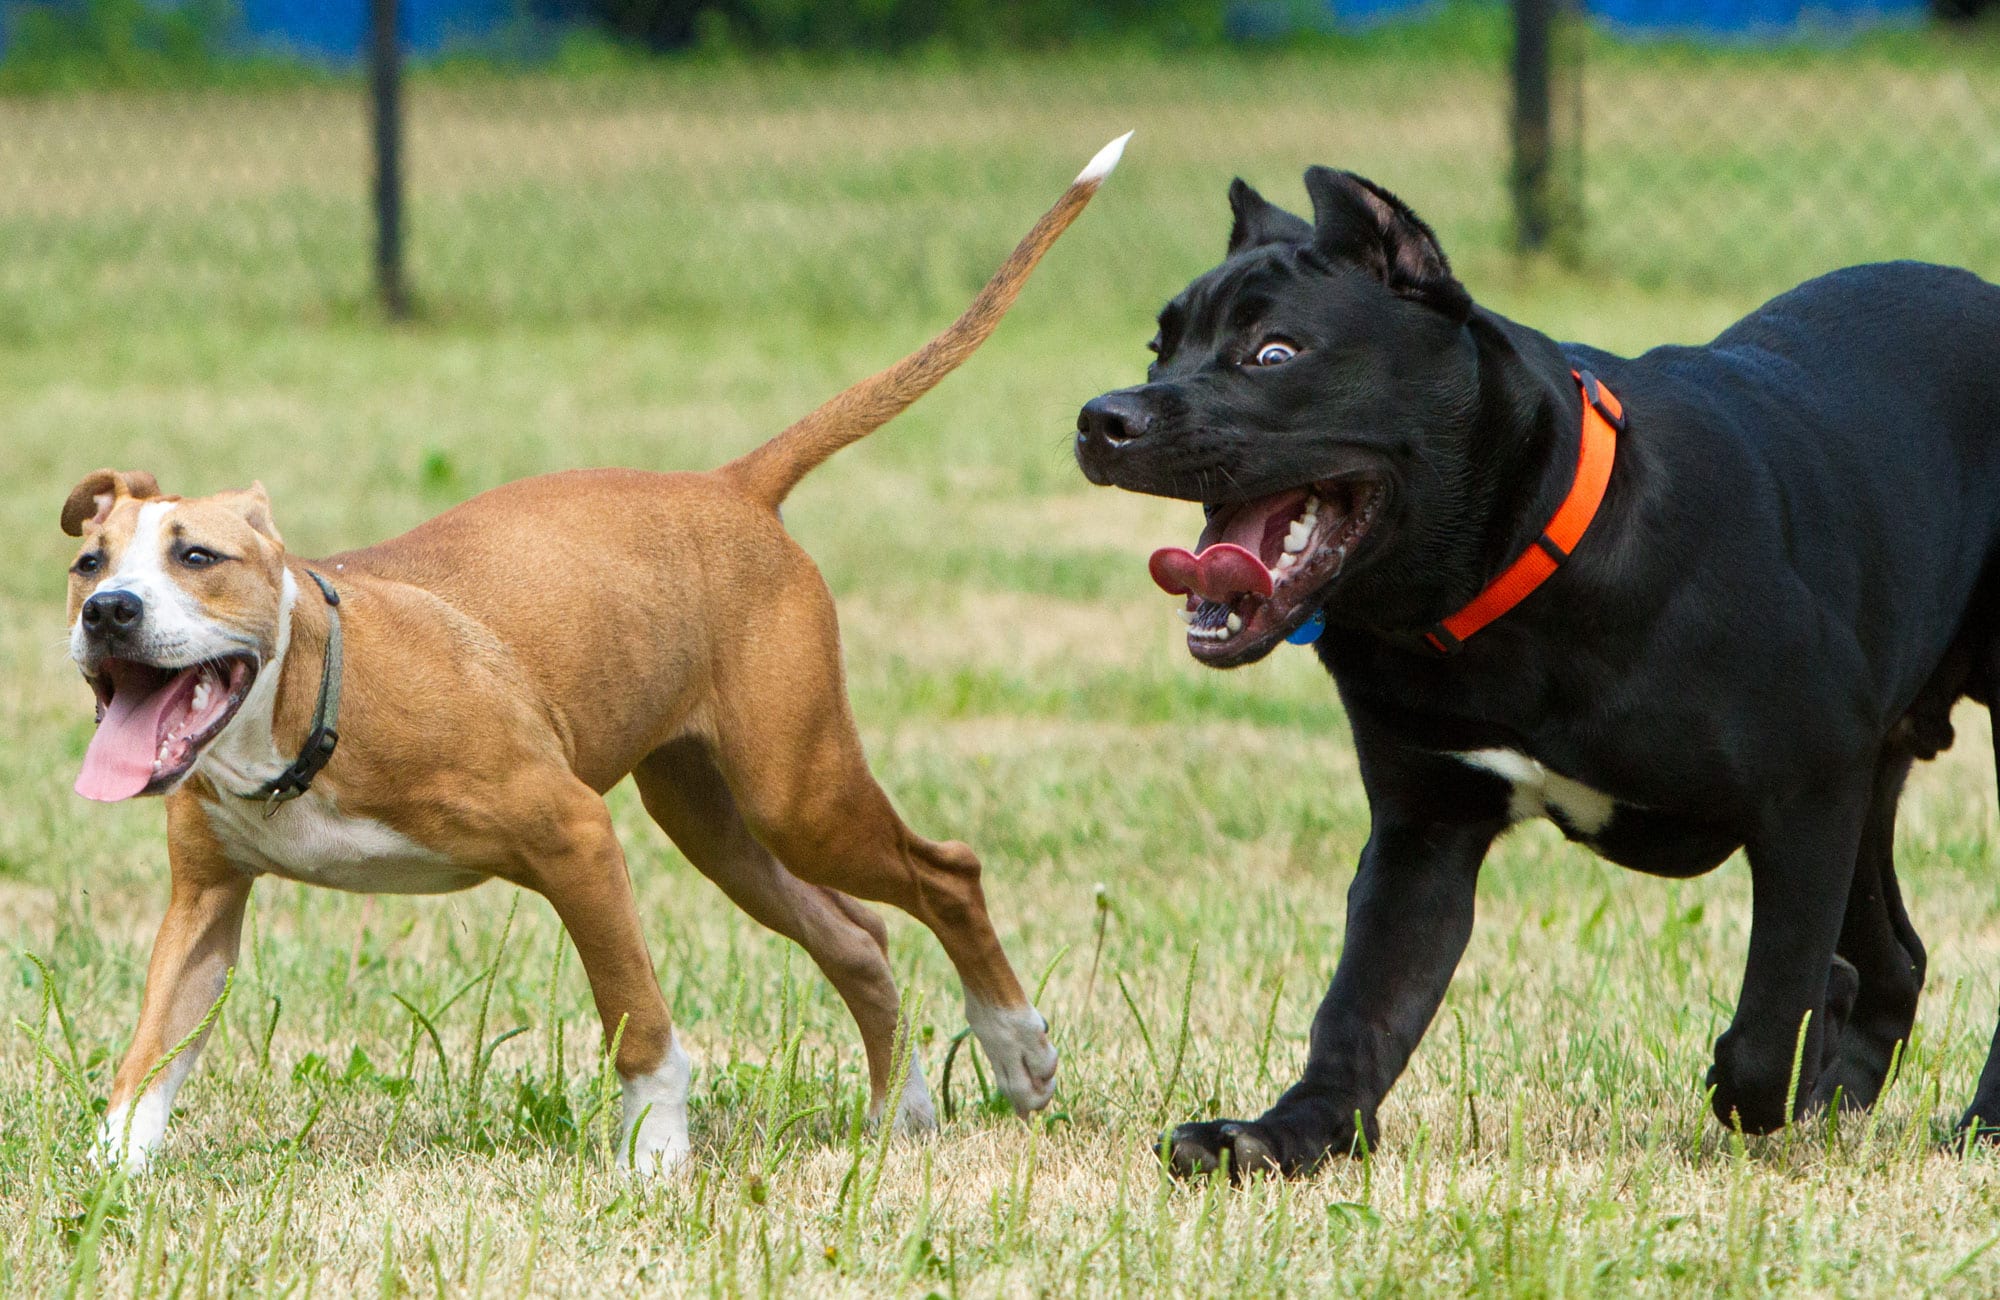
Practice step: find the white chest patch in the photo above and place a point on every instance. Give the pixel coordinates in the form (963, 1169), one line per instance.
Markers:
(308, 839)
(1538, 792)
(311, 840)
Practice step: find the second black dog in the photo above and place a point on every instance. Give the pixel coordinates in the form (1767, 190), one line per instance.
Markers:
(1783, 577)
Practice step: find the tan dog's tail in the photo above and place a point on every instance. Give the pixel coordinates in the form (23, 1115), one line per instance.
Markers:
(769, 473)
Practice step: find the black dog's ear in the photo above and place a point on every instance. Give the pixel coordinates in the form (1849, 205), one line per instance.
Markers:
(1360, 221)
(1259, 221)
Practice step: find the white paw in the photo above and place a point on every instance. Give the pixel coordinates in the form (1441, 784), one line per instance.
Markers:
(130, 1135)
(915, 1115)
(1016, 1042)
(654, 1138)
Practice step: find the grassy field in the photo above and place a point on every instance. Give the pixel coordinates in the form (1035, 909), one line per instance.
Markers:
(660, 272)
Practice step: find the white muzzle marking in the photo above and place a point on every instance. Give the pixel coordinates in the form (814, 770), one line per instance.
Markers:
(175, 629)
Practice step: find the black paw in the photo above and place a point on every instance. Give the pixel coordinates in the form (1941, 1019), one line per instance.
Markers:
(1976, 1125)
(1195, 1150)
(1753, 1094)
(1268, 1145)
(1845, 1060)
(1869, 1032)
(1843, 986)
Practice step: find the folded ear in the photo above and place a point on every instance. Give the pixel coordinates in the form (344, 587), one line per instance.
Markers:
(254, 504)
(91, 500)
(1359, 221)
(1259, 221)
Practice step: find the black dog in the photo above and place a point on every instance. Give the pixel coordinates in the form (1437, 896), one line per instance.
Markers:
(1789, 581)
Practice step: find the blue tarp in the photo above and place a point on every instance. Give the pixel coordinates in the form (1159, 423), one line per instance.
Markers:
(333, 31)
(337, 29)
(1725, 18)
(1752, 17)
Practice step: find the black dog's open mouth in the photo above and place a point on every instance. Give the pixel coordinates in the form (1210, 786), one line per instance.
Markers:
(153, 722)
(1257, 572)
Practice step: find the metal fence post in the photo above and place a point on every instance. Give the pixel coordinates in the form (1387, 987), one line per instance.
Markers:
(1534, 51)
(385, 83)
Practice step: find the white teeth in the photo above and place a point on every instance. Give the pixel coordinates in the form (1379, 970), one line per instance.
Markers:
(1187, 615)
(1301, 530)
(1285, 561)
(1235, 624)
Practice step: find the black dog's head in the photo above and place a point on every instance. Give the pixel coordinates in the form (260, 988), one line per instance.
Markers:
(1317, 392)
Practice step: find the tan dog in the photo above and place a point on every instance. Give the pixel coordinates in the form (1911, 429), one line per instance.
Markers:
(488, 676)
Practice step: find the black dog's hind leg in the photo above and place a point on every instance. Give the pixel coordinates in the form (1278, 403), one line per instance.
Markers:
(1409, 914)
(1886, 973)
(1799, 859)
(1985, 1108)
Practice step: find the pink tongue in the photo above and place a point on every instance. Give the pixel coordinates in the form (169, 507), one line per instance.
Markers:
(1228, 560)
(1221, 573)
(119, 762)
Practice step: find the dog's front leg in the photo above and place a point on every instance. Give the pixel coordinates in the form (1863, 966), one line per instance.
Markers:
(1801, 861)
(576, 863)
(1409, 914)
(192, 954)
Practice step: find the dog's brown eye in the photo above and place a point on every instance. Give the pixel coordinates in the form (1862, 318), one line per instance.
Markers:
(199, 557)
(1273, 352)
(89, 564)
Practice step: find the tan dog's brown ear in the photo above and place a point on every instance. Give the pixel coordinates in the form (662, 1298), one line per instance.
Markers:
(91, 500)
(254, 504)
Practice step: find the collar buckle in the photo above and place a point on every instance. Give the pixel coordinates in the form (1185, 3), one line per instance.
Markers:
(1606, 405)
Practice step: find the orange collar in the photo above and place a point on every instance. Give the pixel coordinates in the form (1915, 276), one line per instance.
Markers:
(1603, 421)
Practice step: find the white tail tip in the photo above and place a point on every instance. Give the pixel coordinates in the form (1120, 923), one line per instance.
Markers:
(1107, 159)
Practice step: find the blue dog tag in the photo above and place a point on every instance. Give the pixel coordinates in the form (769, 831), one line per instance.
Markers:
(1308, 632)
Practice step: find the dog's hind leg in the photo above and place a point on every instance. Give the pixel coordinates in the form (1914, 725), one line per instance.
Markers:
(1983, 1115)
(689, 799)
(786, 744)
(1884, 960)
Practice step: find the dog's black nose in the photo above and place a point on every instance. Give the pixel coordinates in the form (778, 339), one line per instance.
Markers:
(1113, 419)
(112, 611)
(1106, 429)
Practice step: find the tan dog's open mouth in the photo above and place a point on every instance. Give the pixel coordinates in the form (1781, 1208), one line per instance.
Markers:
(153, 722)
(1252, 578)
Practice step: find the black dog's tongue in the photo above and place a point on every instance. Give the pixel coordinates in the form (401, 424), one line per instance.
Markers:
(1230, 559)
(1220, 573)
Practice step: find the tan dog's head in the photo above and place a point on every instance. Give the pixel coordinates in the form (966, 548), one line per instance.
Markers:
(175, 605)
